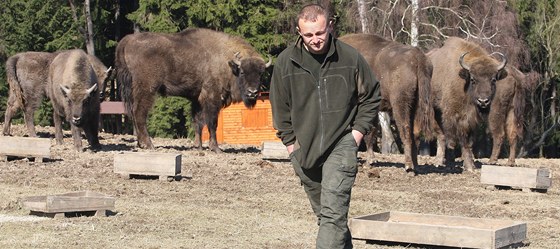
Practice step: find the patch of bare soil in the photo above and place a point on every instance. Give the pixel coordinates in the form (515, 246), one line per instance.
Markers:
(237, 200)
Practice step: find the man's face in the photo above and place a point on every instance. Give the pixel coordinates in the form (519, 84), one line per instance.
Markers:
(315, 34)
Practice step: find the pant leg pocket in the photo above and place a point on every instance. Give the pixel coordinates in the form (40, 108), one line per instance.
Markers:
(340, 170)
(349, 153)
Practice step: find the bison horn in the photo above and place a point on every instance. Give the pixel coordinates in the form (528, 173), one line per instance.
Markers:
(269, 63)
(462, 63)
(89, 90)
(110, 69)
(237, 59)
(504, 60)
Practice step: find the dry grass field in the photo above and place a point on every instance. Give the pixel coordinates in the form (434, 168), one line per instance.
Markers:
(237, 200)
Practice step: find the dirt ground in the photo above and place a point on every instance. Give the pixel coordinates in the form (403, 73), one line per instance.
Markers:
(237, 200)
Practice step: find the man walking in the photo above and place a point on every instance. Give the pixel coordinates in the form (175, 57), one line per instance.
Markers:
(324, 100)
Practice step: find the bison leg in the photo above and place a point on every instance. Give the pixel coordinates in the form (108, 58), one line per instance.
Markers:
(410, 152)
(91, 132)
(467, 154)
(440, 152)
(497, 141)
(370, 140)
(512, 150)
(497, 129)
(140, 113)
(441, 143)
(198, 122)
(77, 137)
(512, 138)
(57, 119)
(11, 107)
(28, 116)
(212, 124)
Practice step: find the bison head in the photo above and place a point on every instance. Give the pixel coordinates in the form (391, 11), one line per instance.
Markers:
(248, 72)
(480, 77)
(77, 102)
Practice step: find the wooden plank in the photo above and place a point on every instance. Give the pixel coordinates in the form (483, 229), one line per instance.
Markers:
(38, 148)
(516, 177)
(438, 230)
(112, 107)
(151, 163)
(70, 202)
(274, 150)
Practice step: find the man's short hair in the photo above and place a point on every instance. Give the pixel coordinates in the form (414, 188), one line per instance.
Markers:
(310, 12)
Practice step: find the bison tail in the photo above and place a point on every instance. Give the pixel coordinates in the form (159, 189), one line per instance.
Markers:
(425, 118)
(124, 79)
(13, 81)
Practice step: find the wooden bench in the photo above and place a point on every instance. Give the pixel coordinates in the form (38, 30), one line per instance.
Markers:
(167, 166)
(112, 107)
(37, 148)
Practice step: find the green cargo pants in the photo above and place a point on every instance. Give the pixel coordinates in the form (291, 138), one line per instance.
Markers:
(328, 188)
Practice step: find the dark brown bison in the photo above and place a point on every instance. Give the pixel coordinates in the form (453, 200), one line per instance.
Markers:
(404, 73)
(211, 69)
(27, 75)
(463, 86)
(72, 89)
(506, 114)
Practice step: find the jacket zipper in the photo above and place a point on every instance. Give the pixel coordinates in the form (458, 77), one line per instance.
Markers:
(321, 121)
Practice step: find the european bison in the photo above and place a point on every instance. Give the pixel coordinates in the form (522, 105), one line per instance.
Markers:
(27, 74)
(211, 69)
(72, 89)
(404, 73)
(506, 114)
(463, 85)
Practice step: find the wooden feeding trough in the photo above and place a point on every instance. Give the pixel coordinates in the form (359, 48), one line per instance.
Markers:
(167, 166)
(527, 179)
(37, 148)
(75, 202)
(438, 230)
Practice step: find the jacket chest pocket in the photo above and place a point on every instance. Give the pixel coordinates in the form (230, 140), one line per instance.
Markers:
(335, 93)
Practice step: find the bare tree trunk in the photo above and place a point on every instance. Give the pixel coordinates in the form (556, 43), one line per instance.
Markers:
(362, 9)
(414, 24)
(554, 99)
(89, 36)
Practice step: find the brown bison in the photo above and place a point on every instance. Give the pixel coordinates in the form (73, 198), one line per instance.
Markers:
(506, 114)
(72, 89)
(404, 73)
(27, 74)
(211, 69)
(463, 85)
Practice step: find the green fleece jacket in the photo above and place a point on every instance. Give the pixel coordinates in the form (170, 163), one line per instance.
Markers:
(314, 113)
